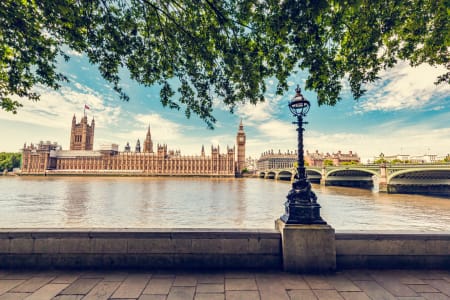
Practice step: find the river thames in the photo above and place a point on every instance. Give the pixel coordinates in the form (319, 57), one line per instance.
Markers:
(166, 202)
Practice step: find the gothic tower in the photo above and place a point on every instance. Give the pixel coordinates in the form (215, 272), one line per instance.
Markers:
(148, 144)
(240, 142)
(82, 134)
(138, 146)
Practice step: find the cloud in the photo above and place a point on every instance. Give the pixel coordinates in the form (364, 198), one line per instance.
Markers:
(56, 108)
(74, 53)
(405, 87)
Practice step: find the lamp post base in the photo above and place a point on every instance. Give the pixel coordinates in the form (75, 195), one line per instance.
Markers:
(307, 248)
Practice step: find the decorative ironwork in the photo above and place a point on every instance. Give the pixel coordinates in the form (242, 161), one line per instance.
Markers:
(301, 205)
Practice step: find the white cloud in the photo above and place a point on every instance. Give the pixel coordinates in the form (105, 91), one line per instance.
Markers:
(56, 108)
(404, 87)
(390, 138)
(74, 53)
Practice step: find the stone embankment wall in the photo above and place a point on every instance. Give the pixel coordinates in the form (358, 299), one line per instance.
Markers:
(198, 248)
(134, 248)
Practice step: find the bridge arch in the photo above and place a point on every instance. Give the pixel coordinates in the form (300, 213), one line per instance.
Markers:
(262, 175)
(314, 176)
(271, 175)
(362, 170)
(284, 175)
(351, 177)
(430, 181)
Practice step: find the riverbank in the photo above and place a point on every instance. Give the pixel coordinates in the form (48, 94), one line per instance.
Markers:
(210, 249)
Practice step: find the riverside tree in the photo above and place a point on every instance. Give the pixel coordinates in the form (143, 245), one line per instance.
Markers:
(198, 50)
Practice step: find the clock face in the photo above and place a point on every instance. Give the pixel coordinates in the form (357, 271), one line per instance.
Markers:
(241, 139)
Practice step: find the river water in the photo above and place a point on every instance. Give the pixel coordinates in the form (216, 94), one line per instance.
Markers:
(164, 202)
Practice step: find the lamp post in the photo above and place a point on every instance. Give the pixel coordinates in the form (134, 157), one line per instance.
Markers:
(301, 205)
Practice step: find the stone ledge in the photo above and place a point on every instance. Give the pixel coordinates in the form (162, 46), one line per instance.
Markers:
(138, 233)
(392, 235)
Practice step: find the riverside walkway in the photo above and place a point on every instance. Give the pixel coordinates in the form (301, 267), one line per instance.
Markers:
(229, 285)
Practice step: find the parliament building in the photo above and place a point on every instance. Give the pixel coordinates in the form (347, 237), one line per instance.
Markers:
(48, 158)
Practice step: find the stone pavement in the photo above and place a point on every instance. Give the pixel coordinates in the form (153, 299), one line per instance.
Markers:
(230, 285)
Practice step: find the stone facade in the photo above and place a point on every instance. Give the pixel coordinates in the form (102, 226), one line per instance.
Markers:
(278, 160)
(82, 134)
(50, 159)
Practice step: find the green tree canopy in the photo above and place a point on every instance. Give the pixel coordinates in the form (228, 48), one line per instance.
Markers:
(223, 49)
(8, 161)
(328, 163)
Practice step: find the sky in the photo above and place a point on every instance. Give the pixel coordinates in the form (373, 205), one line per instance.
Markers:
(402, 113)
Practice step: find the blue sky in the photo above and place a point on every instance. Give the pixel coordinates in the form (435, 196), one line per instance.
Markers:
(402, 113)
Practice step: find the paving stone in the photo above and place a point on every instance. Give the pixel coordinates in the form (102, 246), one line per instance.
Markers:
(210, 288)
(411, 298)
(442, 285)
(93, 274)
(294, 282)
(317, 282)
(103, 290)
(66, 278)
(14, 296)
(210, 278)
(242, 295)
(357, 274)
(32, 284)
(48, 291)
(239, 275)
(427, 275)
(354, 296)
(181, 293)
(6, 285)
(302, 295)
(132, 287)
(270, 288)
(68, 297)
(392, 284)
(342, 284)
(80, 286)
(423, 288)
(115, 276)
(327, 295)
(374, 290)
(159, 286)
(209, 296)
(153, 297)
(19, 275)
(185, 281)
(434, 296)
(163, 274)
(405, 277)
(240, 284)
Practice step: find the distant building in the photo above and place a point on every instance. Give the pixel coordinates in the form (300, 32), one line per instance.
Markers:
(82, 134)
(49, 158)
(405, 158)
(278, 160)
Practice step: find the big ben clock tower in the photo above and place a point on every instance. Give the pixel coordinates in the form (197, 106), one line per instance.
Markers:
(240, 141)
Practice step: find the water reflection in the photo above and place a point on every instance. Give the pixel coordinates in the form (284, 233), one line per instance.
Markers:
(201, 203)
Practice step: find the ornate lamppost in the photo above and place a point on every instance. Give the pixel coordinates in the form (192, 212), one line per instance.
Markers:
(301, 205)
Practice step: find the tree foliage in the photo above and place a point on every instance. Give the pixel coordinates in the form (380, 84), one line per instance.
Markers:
(8, 161)
(199, 50)
(328, 163)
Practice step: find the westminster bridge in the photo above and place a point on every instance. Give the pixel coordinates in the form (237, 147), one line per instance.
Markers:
(392, 178)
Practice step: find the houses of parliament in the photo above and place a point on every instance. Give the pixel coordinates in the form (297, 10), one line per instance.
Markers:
(48, 158)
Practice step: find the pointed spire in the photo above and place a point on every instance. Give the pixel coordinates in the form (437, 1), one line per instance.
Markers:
(241, 126)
